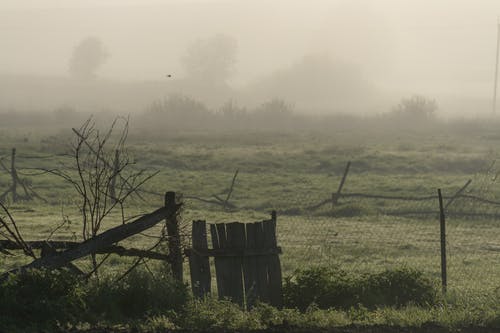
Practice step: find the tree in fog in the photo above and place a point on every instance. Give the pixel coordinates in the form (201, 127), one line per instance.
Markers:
(211, 60)
(416, 107)
(87, 57)
(316, 82)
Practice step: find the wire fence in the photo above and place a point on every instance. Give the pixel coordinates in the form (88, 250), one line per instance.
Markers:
(390, 237)
(367, 232)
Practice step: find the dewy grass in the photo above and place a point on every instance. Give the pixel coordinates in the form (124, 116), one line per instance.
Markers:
(289, 172)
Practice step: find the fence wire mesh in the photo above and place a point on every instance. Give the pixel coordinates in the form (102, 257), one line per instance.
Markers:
(372, 234)
(362, 231)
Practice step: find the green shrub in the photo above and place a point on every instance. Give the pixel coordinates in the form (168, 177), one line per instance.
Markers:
(333, 287)
(398, 287)
(324, 286)
(40, 298)
(43, 298)
(135, 296)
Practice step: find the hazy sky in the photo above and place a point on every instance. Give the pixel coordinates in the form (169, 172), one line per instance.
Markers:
(424, 46)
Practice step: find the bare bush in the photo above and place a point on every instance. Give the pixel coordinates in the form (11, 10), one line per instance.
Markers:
(102, 175)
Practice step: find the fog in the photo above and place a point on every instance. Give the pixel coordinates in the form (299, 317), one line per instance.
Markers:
(336, 56)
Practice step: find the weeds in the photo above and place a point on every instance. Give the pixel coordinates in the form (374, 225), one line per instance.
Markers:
(332, 287)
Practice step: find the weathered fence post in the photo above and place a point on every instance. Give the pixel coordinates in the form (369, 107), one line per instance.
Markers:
(174, 238)
(336, 196)
(443, 242)
(13, 174)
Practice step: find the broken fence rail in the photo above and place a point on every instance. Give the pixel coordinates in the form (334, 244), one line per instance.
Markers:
(6, 245)
(99, 242)
(403, 198)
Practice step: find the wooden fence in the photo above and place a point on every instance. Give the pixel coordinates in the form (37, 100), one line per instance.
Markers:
(106, 243)
(246, 259)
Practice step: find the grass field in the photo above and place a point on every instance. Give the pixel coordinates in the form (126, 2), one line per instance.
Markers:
(289, 171)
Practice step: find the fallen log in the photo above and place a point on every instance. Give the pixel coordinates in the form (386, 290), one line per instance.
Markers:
(99, 242)
(6, 245)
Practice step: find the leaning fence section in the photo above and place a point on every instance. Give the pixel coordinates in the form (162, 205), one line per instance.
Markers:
(246, 261)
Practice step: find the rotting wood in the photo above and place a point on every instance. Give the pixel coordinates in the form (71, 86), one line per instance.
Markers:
(247, 263)
(247, 252)
(99, 242)
(48, 250)
(174, 237)
(235, 240)
(221, 263)
(250, 267)
(218, 262)
(199, 265)
(64, 245)
(262, 269)
(275, 277)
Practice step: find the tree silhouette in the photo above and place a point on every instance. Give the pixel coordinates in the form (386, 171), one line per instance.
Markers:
(87, 57)
(211, 60)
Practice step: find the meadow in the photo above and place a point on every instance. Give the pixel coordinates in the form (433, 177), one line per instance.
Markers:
(289, 171)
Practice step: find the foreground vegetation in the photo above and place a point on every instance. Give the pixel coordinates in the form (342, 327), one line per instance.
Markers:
(319, 298)
(147, 301)
(287, 171)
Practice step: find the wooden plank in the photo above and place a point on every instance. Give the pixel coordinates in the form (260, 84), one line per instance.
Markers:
(236, 240)
(231, 252)
(99, 242)
(250, 267)
(58, 245)
(262, 263)
(199, 266)
(217, 261)
(274, 265)
(222, 265)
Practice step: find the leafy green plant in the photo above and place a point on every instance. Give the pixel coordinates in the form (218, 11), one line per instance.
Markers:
(332, 287)
(324, 286)
(41, 296)
(398, 287)
(138, 294)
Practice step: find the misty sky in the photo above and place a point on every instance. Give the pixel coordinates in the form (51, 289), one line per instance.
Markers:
(433, 47)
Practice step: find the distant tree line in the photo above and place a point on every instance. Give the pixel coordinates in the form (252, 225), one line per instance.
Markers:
(183, 112)
(179, 112)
